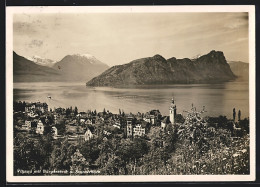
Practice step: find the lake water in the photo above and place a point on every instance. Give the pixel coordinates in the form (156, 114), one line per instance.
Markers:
(219, 99)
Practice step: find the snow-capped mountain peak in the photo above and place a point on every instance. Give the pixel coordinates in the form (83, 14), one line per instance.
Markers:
(86, 55)
(91, 59)
(41, 61)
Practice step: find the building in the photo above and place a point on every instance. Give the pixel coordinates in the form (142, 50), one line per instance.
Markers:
(172, 112)
(55, 131)
(152, 117)
(155, 116)
(117, 124)
(72, 138)
(147, 118)
(29, 107)
(42, 107)
(55, 119)
(82, 120)
(138, 130)
(164, 123)
(88, 135)
(129, 127)
(32, 114)
(26, 125)
(88, 122)
(40, 127)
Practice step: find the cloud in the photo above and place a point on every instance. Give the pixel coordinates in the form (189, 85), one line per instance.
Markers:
(236, 24)
(35, 43)
(236, 41)
(134, 35)
(23, 28)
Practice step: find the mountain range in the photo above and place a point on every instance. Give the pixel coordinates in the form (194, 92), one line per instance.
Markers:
(211, 67)
(208, 68)
(70, 68)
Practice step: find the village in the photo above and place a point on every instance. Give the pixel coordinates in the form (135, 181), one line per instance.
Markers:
(101, 138)
(36, 118)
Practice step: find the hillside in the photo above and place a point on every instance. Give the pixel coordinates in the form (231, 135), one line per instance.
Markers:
(240, 69)
(80, 67)
(25, 70)
(41, 61)
(70, 68)
(208, 68)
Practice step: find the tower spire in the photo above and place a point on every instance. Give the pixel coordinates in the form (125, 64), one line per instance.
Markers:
(172, 111)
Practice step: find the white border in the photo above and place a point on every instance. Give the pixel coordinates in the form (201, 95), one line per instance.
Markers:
(126, 9)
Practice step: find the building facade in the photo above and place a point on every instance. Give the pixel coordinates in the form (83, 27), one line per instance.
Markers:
(40, 127)
(138, 130)
(88, 135)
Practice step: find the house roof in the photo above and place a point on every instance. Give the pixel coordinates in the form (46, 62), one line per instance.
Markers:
(143, 124)
(88, 130)
(165, 119)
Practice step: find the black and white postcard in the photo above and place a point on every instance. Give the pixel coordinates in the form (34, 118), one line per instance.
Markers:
(130, 93)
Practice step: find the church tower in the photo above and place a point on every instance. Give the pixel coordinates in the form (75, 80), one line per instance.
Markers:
(172, 112)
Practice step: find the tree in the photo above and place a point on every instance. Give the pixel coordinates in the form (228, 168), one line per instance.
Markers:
(29, 154)
(78, 163)
(60, 158)
(68, 111)
(61, 127)
(179, 118)
(90, 150)
(221, 121)
(239, 115)
(124, 151)
(244, 125)
(234, 114)
(50, 119)
(47, 130)
(170, 138)
(139, 148)
(76, 111)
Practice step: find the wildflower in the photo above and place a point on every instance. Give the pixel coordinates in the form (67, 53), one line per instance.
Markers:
(235, 155)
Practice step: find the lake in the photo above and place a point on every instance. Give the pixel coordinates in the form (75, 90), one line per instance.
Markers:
(219, 99)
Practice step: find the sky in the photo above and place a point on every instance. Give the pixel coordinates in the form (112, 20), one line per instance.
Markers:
(118, 38)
